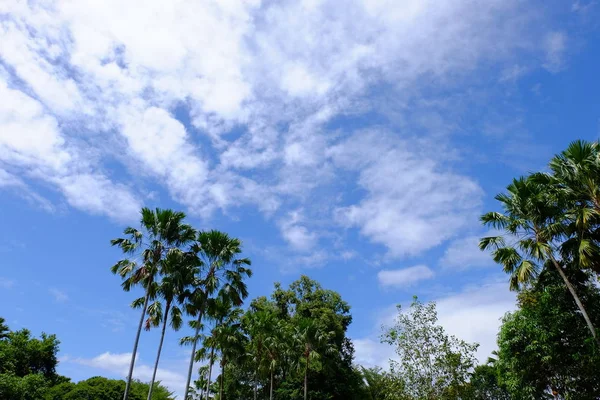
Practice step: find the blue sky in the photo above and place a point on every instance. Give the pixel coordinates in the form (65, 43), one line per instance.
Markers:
(357, 143)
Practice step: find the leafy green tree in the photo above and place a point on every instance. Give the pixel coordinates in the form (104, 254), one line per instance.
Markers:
(281, 331)
(4, 330)
(433, 364)
(487, 383)
(307, 299)
(162, 232)
(313, 341)
(22, 355)
(381, 385)
(99, 388)
(221, 274)
(545, 346)
(28, 387)
(27, 365)
(533, 225)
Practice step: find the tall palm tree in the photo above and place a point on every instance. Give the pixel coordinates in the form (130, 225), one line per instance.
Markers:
(276, 343)
(176, 276)
(533, 224)
(200, 383)
(231, 343)
(258, 324)
(575, 180)
(314, 342)
(161, 231)
(221, 312)
(221, 274)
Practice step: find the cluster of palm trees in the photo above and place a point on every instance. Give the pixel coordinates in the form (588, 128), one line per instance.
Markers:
(182, 272)
(551, 222)
(262, 343)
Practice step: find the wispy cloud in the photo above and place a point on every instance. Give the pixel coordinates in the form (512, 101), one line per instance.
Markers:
(59, 295)
(464, 253)
(555, 45)
(6, 283)
(245, 113)
(412, 202)
(404, 277)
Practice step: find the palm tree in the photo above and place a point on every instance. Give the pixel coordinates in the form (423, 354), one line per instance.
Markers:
(161, 232)
(575, 180)
(221, 312)
(176, 276)
(231, 343)
(200, 383)
(258, 325)
(534, 223)
(275, 344)
(314, 341)
(221, 273)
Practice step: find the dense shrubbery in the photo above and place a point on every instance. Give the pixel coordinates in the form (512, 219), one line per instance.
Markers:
(28, 372)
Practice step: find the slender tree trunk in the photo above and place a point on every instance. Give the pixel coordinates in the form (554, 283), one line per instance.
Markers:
(256, 383)
(192, 358)
(577, 300)
(160, 345)
(210, 365)
(306, 378)
(221, 380)
(271, 390)
(135, 346)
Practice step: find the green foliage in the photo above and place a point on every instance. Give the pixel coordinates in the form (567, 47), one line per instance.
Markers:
(3, 329)
(551, 220)
(219, 283)
(382, 385)
(28, 387)
(99, 388)
(298, 333)
(22, 355)
(546, 346)
(28, 372)
(486, 383)
(432, 364)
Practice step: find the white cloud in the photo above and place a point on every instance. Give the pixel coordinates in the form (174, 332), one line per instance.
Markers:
(370, 352)
(513, 73)
(405, 277)
(30, 138)
(464, 253)
(413, 202)
(118, 364)
(97, 194)
(94, 83)
(8, 179)
(297, 235)
(6, 283)
(59, 295)
(555, 45)
(473, 315)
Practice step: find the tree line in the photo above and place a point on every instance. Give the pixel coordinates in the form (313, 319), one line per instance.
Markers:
(28, 372)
